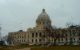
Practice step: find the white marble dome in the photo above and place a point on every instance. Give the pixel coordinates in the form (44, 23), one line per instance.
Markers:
(43, 17)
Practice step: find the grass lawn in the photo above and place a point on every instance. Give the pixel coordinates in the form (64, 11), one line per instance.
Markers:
(41, 48)
(57, 48)
(6, 48)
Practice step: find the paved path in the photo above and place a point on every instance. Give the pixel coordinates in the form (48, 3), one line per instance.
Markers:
(24, 49)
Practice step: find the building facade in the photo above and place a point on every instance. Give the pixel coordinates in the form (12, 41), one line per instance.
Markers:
(44, 33)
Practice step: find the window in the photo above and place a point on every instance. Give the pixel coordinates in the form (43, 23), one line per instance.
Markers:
(22, 40)
(39, 40)
(32, 34)
(79, 38)
(40, 34)
(18, 40)
(36, 40)
(36, 34)
(32, 40)
(61, 39)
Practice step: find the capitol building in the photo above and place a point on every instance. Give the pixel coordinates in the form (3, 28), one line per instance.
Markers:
(44, 34)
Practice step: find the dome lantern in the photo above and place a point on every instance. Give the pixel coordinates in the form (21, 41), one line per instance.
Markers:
(43, 10)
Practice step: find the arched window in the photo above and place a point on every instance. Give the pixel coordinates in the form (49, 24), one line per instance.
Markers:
(36, 40)
(39, 40)
(32, 34)
(32, 40)
(79, 38)
(40, 34)
(36, 34)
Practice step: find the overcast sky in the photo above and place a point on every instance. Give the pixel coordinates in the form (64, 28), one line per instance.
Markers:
(22, 14)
